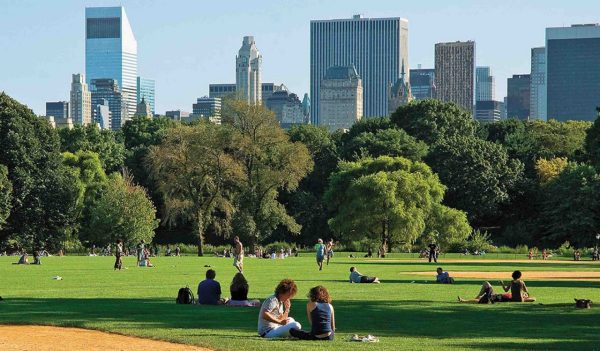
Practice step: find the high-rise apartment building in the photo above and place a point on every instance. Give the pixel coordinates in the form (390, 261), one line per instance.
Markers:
(248, 72)
(573, 72)
(207, 107)
(377, 47)
(518, 96)
(108, 89)
(111, 51)
(145, 90)
(81, 101)
(485, 85)
(455, 73)
(422, 83)
(287, 107)
(58, 109)
(538, 99)
(341, 98)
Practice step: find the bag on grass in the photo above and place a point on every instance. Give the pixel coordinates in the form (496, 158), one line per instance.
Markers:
(185, 296)
(583, 303)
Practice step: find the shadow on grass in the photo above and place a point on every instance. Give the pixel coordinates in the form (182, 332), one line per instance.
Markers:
(587, 265)
(545, 325)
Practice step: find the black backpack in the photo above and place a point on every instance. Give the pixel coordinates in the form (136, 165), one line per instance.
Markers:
(185, 296)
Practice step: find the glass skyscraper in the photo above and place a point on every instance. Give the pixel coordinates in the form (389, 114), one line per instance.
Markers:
(485, 84)
(145, 89)
(518, 96)
(422, 83)
(377, 47)
(111, 51)
(537, 102)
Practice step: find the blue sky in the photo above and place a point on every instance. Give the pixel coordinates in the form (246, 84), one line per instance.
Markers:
(186, 44)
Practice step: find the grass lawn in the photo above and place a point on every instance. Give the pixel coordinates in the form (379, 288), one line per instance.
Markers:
(406, 312)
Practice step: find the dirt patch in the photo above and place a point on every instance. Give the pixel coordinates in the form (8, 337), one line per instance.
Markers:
(42, 338)
(528, 275)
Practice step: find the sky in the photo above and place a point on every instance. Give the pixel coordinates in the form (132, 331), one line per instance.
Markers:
(187, 44)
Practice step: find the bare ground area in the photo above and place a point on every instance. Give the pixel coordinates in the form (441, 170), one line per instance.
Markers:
(527, 275)
(44, 338)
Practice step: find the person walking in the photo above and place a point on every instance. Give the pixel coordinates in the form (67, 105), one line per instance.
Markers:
(320, 249)
(140, 252)
(238, 254)
(119, 255)
(329, 250)
(433, 252)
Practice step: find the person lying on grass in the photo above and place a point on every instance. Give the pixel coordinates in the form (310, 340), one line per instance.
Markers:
(443, 277)
(209, 290)
(517, 287)
(356, 277)
(320, 314)
(239, 292)
(273, 319)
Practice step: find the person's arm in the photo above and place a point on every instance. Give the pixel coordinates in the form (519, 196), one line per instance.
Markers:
(525, 288)
(271, 318)
(506, 288)
(309, 307)
(332, 318)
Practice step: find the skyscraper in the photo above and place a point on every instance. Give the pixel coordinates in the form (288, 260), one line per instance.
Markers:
(248, 72)
(455, 73)
(59, 109)
(145, 90)
(377, 47)
(573, 72)
(111, 51)
(518, 96)
(81, 101)
(485, 84)
(108, 89)
(537, 103)
(488, 111)
(341, 99)
(422, 83)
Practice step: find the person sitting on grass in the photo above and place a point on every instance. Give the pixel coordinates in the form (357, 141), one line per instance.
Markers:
(273, 319)
(518, 292)
(356, 277)
(24, 259)
(37, 257)
(518, 289)
(443, 277)
(320, 314)
(209, 290)
(239, 292)
(487, 295)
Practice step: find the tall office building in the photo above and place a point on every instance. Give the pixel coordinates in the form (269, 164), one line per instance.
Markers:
(573, 72)
(103, 117)
(537, 102)
(485, 85)
(488, 111)
(207, 107)
(248, 64)
(111, 51)
(422, 83)
(518, 96)
(377, 47)
(341, 99)
(108, 89)
(81, 101)
(455, 73)
(287, 107)
(145, 90)
(59, 109)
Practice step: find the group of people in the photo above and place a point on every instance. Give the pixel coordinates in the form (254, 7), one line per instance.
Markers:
(515, 291)
(546, 254)
(324, 251)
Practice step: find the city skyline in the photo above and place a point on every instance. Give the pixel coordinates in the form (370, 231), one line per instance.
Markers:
(186, 53)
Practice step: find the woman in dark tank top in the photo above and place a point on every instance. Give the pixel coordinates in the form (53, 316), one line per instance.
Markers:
(320, 315)
(518, 289)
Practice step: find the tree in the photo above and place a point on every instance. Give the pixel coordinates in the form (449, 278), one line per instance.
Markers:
(271, 162)
(385, 142)
(478, 173)
(196, 173)
(43, 197)
(548, 170)
(5, 195)
(91, 138)
(122, 211)
(391, 199)
(433, 121)
(592, 142)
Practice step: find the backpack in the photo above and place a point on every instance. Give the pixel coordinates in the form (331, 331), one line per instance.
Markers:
(582, 303)
(185, 296)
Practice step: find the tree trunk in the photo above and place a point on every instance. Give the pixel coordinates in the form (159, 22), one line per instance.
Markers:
(384, 240)
(200, 233)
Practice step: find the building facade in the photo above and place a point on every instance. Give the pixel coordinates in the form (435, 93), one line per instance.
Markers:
(81, 101)
(108, 89)
(488, 111)
(485, 84)
(537, 102)
(455, 73)
(518, 96)
(341, 98)
(207, 107)
(377, 47)
(399, 94)
(146, 91)
(177, 115)
(111, 51)
(58, 109)
(573, 72)
(248, 72)
(223, 91)
(103, 116)
(143, 109)
(306, 107)
(287, 107)
(422, 83)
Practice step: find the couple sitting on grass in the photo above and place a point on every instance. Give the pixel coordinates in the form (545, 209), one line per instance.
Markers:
(209, 291)
(518, 292)
(274, 320)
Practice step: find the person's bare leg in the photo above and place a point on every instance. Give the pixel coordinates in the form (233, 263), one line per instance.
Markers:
(475, 300)
(529, 299)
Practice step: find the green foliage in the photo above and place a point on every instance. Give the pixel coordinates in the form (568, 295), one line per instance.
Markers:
(122, 211)
(5, 195)
(105, 143)
(385, 142)
(276, 246)
(592, 143)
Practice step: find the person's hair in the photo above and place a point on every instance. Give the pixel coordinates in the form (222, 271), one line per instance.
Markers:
(119, 241)
(235, 238)
(239, 282)
(286, 286)
(320, 240)
(352, 269)
(319, 294)
(516, 275)
(211, 274)
(440, 269)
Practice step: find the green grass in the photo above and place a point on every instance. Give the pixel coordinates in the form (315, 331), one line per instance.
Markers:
(407, 312)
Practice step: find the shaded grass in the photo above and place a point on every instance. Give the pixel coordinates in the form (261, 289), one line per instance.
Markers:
(406, 313)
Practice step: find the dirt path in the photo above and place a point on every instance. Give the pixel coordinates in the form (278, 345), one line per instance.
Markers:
(42, 338)
(527, 275)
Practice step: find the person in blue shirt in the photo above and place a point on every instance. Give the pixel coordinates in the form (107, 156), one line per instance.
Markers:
(320, 249)
(443, 277)
(209, 290)
(320, 314)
